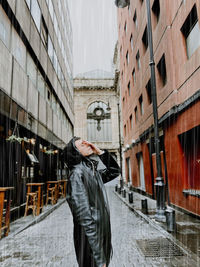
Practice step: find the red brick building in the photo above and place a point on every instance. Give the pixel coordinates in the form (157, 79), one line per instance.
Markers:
(176, 43)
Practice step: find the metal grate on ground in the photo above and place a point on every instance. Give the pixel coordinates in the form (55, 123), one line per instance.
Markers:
(159, 248)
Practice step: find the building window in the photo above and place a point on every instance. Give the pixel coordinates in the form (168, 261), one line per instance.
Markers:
(123, 101)
(129, 89)
(125, 27)
(134, 78)
(31, 70)
(136, 115)
(125, 130)
(41, 85)
(51, 9)
(161, 66)
(28, 3)
(122, 75)
(48, 96)
(55, 62)
(131, 41)
(55, 22)
(36, 13)
(44, 33)
(99, 124)
(145, 39)
(127, 58)
(138, 60)
(191, 32)
(59, 37)
(5, 28)
(131, 122)
(121, 50)
(135, 19)
(156, 9)
(148, 90)
(50, 49)
(141, 105)
(129, 10)
(18, 49)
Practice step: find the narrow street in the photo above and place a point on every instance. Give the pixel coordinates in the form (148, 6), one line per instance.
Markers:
(49, 243)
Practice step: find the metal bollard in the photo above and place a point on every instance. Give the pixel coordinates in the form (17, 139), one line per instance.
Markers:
(170, 219)
(144, 206)
(130, 197)
(119, 189)
(116, 187)
(124, 193)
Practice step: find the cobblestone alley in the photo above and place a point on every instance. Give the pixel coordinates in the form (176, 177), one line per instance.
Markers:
(49, 243)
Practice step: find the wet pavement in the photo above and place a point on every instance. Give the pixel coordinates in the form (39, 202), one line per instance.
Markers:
(49, 242)
(187, 227)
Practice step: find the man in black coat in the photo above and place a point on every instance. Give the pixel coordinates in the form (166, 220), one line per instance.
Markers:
(90, 168)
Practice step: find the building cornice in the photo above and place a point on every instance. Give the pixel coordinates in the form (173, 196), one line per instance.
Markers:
(93, 88)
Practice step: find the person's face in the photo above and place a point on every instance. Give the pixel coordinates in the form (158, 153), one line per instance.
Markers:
(84, 147)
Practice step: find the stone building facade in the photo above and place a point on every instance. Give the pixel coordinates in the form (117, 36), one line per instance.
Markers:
(176, 44)
(96, 97)
(36, 92)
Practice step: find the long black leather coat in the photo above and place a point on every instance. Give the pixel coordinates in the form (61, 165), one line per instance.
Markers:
(88, 202)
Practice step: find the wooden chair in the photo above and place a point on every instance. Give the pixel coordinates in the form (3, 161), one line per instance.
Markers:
(31, 203)
(6, 219)
(50, 195)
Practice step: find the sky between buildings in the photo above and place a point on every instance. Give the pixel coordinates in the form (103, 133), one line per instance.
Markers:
(94, 24)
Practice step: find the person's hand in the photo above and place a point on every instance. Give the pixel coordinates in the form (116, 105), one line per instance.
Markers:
(95, 149)
(104, 265)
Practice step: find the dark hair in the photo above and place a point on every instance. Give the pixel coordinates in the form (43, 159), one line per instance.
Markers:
(71, 156)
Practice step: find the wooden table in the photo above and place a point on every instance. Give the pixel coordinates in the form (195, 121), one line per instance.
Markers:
(8, 204)
(64, 184)
(40, 195)
(56, 184)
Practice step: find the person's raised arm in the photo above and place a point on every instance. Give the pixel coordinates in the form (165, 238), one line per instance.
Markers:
(112, 168)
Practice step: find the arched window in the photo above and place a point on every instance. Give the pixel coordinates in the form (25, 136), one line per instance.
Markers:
(99, 128)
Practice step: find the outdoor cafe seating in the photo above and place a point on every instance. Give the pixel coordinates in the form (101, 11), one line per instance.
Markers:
(52, 192)
(34, 198)
(5, 203)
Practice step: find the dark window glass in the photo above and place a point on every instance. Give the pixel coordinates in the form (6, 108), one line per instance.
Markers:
(124, 130)
(129, 88)
(136, 114)
(135, 19)
(44, 33)
(162, 70)
(131, 41)
(141, 105)
(138, 60)
(134, 77)
(145, 39)
(131, 122)
(127, 58)
(148, 90)
(156, 9)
